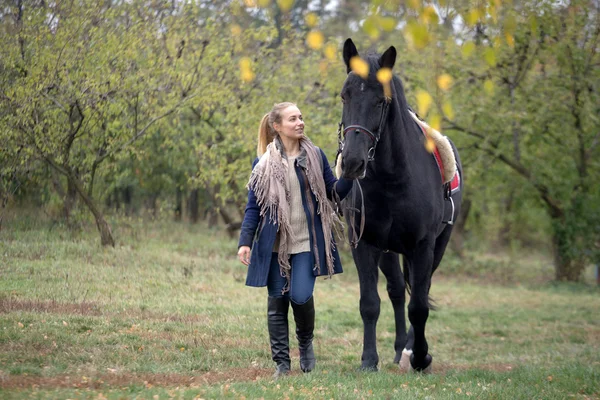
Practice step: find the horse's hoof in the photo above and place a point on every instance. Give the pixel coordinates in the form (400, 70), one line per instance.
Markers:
(405, 360)
(424, 368)
(365, 367)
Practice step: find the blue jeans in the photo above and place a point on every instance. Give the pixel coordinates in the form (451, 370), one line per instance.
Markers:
(302, 280)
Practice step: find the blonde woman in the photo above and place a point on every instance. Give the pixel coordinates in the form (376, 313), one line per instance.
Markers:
(286, 237)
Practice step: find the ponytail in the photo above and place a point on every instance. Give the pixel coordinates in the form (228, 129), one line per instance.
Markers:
(265, 135)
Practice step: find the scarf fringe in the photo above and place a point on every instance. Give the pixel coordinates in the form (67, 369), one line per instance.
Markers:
(269, 182)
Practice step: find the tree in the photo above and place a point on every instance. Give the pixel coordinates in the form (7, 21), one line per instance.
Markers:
(540, 118)
(85, 82)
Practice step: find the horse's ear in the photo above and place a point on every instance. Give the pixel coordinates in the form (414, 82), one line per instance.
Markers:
(349, 52)
(388, 58)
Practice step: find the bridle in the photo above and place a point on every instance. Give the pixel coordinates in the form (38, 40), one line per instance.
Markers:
(342, 131)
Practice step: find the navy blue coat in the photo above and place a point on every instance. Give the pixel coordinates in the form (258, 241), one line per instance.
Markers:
(261, 240)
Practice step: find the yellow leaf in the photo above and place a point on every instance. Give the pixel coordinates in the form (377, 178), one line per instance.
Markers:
(510, 40)
(236, 30)
(435, 122)
(285, 5)
(429, 145)
(490, 56)
(384, 75)
(65, 323)
(510, 23)
(359, 67)
(387, 23)
(330, 52)
(245, 63)
(264, 3)
(424, 101)
(250, 3)
(370, 28)
(419, 34)
(489, 87)
(247, 76)
(472, 17)
(444, 82)
(20, 325)
(467, 49)
(311, 19)
(429, 15)
(315, 40)
(414, 4)
(448, 110)
(533, 24)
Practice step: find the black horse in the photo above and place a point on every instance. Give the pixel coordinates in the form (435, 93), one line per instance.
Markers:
(408, 209)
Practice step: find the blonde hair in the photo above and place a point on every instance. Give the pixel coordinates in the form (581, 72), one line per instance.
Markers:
(266, 132)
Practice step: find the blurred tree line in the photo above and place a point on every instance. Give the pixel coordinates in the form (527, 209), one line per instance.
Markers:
(152, 106)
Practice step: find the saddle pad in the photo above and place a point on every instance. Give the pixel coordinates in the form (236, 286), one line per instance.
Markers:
(443, 153)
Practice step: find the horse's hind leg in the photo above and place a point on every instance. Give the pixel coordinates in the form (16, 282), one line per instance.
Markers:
(390, 266)
(365, 258)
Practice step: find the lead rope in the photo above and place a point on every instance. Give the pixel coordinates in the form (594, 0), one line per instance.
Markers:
(351, 208)
(353, 236)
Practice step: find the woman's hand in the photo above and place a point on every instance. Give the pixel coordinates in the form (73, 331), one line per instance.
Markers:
(244, 255)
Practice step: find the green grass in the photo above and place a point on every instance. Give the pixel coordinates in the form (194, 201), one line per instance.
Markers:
(166, 314)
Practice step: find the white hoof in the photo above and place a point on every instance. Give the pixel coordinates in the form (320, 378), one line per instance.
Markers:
(407, 367)
(405, 360)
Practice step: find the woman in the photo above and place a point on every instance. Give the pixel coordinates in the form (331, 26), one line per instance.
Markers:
(286, 237)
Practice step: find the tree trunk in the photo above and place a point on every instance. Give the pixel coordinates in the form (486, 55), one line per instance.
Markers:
(127, 193)
(194, 205)
(69, 200)
(106, 238)
(567, 267)
(178, 205)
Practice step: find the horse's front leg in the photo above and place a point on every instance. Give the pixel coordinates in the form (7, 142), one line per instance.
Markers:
(366, 258)
(420, 263)
(390, 266)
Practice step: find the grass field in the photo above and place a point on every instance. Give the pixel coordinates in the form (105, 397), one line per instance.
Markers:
(166, 314)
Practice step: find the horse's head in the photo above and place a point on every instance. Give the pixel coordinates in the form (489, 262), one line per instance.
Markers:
(364, 111)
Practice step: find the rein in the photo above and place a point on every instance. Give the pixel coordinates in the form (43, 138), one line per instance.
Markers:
(342, 131)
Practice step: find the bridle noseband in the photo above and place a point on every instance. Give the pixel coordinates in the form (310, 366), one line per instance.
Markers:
(361, 129)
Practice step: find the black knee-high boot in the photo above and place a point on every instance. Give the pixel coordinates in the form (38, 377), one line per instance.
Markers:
(277, 317)
(304, 315)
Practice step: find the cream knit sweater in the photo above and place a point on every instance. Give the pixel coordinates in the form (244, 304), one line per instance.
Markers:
(301, 238)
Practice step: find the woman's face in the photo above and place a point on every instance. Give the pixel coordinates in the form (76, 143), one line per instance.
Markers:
(292, 124)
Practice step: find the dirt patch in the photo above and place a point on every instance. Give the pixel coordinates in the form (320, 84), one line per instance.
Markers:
(11, 304)
(118, 379)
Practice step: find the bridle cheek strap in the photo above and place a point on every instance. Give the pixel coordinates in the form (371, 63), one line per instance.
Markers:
(361, 129)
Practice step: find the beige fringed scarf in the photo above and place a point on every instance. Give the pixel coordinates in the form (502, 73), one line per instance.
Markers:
(268, 181)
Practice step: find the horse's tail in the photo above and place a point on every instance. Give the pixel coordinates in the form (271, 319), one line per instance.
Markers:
(406, 272)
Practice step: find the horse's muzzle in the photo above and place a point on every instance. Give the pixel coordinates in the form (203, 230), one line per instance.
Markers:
(354, 170)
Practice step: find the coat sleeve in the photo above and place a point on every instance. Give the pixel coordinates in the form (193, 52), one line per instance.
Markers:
(251, 218)
(341, 186)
